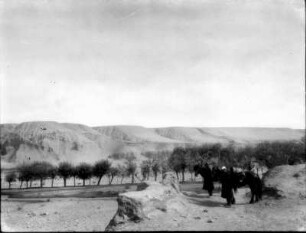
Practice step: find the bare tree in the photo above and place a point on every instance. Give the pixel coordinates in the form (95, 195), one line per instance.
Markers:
(178, 161)
(41, 170)
(74, 174)
(113, 171)
(121, 172)
(53, 172)
(131, 170)
(21, 179)
(100, 169)
(84, 172)
(145, 169)
(155, 169)
(65, 171)
(11, 177)
(25, 174)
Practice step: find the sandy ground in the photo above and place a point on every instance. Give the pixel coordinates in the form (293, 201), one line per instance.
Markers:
(209, 214)
(88, 208)
(205, 213)
(59, 214)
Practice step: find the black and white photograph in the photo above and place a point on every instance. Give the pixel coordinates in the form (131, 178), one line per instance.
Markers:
(152, 115)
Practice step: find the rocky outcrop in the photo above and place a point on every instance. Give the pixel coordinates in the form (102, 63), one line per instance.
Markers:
(151, 199)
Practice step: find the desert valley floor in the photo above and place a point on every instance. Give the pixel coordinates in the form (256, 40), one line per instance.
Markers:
(207, 213)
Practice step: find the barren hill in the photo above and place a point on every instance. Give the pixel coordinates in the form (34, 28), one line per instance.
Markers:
(54, 142)
(134, 134)
(192, 135)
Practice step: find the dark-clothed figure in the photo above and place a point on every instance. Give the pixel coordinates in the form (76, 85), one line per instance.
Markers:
(208, 180)
(228, 181)
(216, 173)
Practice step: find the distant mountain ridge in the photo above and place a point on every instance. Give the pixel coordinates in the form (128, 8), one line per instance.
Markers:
(54, 142)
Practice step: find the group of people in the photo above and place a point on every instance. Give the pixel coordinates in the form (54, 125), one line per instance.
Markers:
(228, 180)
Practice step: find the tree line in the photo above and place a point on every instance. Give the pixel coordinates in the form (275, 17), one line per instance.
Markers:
(269, 154)
(40, 170)
(155, 163)
(180, 160)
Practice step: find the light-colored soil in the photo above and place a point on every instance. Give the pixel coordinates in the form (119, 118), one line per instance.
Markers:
(205, 213)
(209, 214)
(59, 214)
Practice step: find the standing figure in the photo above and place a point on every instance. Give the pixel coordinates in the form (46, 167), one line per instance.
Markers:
(216, 173)
(228, 182)
(205, 172)
(208, 180)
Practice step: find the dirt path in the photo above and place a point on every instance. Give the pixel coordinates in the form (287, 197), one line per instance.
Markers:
(267, 215)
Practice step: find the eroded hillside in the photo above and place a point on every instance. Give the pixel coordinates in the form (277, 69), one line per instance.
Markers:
(55, 142)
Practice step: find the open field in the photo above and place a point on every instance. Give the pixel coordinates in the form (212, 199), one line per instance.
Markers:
(58, 214)
(88, 208)
(91, 208)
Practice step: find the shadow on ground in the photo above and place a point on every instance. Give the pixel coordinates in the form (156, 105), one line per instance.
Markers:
(75, 192)
(202, 199)
(207, 203)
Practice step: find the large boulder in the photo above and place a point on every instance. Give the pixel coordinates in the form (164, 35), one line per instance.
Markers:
(286, 181)
(151, 199)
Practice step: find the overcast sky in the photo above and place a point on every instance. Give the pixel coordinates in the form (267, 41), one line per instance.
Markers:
(153, 63)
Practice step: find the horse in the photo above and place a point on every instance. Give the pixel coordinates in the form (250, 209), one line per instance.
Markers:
(254, 182)
(207, 175)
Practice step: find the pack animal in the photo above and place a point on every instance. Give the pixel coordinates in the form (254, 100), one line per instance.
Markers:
(206, 173)
(255, 184)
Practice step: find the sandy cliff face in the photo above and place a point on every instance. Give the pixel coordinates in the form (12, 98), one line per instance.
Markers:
(135, 134)
(54, 142)
(192, 135)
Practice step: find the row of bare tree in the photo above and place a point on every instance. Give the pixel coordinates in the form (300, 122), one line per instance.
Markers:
(44, 170)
